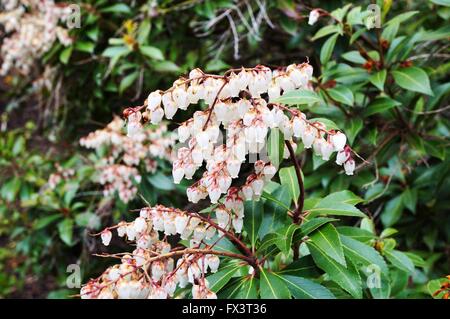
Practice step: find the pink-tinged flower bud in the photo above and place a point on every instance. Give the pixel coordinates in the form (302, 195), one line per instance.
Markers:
(122, 229)
(131, 233)
(144, 212)
(233, 167)
(144, 241)
(140, 225)
(170, 286)
(177, 174)
(317, 146)
(309, 136)
(247, 191)
(269, 172)
(199, 233)
(214, 194)
(349, 166)
(327, 150)
(237, 224)
(181, 222)
(339, 140)
(106, 237)
(202, 139)
(257, 186)
(298, 126)
(341, 157)
(273, 92)
(183, 133)
(223, 217)
(157, 115)
(154, 100)
(313, 16)
(157, 270)
(213, 262)
(180, 98)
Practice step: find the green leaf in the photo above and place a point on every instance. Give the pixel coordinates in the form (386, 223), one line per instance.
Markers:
(65, 230)
(116, 51)
(275, 214)
(311, 225)
(254, 211)
(222, 277)
(410, 199)
(128, 81)
(302, 288)
(117, 8)
(302, 267)
(402, 17)
(272, 286)
(19, 146)
(378, 79)
(288, 178)
(379, 105)
(342, 94)
(285, 236)
(10, 189)
(248, 289)
(45, 221)
(363, 254)
(400, 260)
(354, 56)
(275, 147)
(442, 2)
(298, 97)
(347, 278)
(161, 181)
(165, 66)
(392, 211)
(327, 239)
(151, 52)
(359, 234)
(346, 197)
(355, 125)
(65, 55)
(326, 30)
(85, 46)
(413, 79)
(327, 49)
(324, 207)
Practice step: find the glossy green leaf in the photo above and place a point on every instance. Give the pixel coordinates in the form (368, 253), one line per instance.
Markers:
(272, 286)
(413, 79)
(327, 239)
(254, 212)
(342, 94)
(302, 288)
(288, 178)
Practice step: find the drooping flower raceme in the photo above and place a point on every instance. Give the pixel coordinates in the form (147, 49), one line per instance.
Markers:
(31, 27)
(119, 169)
(151, 270)
(242, 106)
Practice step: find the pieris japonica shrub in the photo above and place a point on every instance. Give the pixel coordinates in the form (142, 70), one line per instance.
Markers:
(257, 233)
(31, 28)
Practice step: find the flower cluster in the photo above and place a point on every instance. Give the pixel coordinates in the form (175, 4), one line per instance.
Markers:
(32, 27)
(125, 154)
(241, 104)
(60, 175)
(155, 269)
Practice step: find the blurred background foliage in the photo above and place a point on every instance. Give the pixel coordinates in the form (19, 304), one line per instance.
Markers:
(124, 50)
